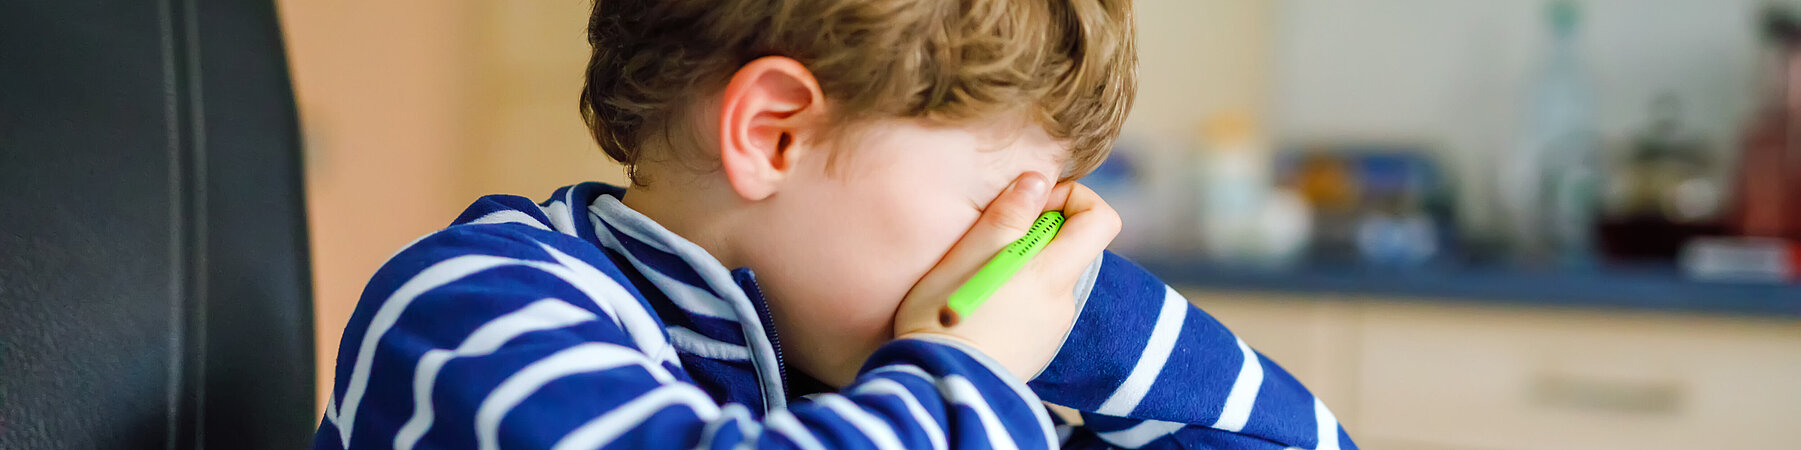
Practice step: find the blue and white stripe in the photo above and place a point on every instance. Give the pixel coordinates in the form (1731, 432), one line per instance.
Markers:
(1176, 377)
(578, 323)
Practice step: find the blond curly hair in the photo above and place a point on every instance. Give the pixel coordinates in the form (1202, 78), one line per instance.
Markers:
(1070, 64)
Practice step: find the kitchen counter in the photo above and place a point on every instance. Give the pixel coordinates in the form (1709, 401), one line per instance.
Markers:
(1649, 288)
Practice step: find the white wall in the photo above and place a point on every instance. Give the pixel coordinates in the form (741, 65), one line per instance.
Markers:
(1454, 73)
(1197, 58)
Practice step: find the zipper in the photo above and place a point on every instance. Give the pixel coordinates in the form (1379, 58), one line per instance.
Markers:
(755, 293)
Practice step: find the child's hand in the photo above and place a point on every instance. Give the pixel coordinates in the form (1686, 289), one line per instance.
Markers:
(1023, 324)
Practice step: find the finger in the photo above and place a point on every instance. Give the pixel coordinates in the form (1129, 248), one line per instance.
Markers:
(1060, 196)
(1006, 219)
(1089, 224)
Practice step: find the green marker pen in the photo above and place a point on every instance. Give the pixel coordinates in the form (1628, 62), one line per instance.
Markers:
(1006, 263)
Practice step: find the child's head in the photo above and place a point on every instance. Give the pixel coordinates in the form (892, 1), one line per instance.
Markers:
(839, 147)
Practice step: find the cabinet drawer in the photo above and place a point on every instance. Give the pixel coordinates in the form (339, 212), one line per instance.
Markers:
(1309, 337)
(1482, 377)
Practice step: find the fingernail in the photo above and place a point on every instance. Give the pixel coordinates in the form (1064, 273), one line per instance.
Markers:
(1034, 184)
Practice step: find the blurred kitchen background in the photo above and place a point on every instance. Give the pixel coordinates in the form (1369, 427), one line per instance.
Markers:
(1467, 224)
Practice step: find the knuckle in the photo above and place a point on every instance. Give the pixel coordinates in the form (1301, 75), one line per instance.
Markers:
(1111, 222)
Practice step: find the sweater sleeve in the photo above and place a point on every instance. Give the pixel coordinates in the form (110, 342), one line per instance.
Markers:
(502, 335)
(1148, 369)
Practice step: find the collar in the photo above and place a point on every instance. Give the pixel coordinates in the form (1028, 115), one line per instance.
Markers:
(700, 286)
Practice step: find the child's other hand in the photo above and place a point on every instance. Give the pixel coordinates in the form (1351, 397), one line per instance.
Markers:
(1023, 324)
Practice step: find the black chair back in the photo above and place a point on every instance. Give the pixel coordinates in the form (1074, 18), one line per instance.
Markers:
(154, 281)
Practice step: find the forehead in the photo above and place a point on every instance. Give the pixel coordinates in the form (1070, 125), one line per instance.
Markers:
(1009, 153)
(1005, 148)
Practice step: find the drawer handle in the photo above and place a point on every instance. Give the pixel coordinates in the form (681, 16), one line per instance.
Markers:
(1594, 394)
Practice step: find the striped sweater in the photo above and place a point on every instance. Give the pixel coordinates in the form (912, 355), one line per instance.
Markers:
(579, 323)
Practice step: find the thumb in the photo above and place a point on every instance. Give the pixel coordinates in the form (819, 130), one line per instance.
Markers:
(1005, 220)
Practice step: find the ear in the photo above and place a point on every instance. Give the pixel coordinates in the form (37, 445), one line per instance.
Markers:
(768, 104)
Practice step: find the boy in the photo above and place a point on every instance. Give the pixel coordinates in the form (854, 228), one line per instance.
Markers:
(810, 181)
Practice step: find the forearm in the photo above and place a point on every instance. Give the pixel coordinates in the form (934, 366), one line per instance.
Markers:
(1140, 351)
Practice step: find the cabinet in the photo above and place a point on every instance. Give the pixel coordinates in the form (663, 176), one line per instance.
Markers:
(1417, 374)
